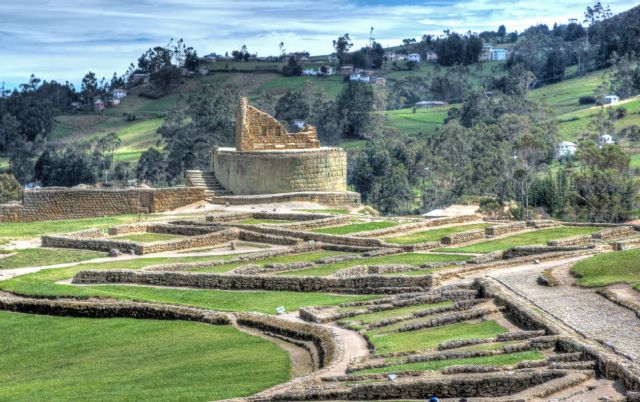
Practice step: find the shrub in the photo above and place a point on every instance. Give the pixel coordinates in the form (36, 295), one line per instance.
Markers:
(621, 113)
(587, 100)
(10, 189)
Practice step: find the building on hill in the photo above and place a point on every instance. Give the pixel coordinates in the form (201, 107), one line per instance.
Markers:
(270, 160)
(566, 149)
(346, 69)
(606, 139)
(610, 99)
(432, 56)
(415, 57)
(486, 54)
(428, 104)
(119, 93)
(98, 106)
(499, 54)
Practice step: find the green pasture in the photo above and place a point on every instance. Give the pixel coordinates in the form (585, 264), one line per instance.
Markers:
(433, 234)
(37, 257)
(356, 227)
(62, 359)
(609, 268)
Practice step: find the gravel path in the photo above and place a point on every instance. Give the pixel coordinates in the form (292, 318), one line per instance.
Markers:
(582, 309)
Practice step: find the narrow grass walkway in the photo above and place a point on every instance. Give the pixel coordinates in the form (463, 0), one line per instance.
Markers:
(416, 259)
(430, 338)
(523, 239)
(148, 237)
(356, 227)
(381, 315)
(497, 360)
(433, 234)
(284, 259)
(609, 268)
(61, 359)
(37, 257)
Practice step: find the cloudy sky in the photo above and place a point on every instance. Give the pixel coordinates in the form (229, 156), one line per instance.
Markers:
(63, 39)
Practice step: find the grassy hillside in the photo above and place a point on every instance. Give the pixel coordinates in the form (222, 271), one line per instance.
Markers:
(418, 122)
(563, 96)
(575, 123)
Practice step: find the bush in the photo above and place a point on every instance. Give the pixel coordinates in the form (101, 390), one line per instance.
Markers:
(632, 133)
(587, 100)
(621, 113)
(10, 189)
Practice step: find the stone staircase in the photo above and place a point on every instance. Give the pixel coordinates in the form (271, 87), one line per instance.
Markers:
(199, 178)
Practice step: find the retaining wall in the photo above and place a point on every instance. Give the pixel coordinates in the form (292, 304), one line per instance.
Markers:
(333, 199)
(74, 203)
(362, 285)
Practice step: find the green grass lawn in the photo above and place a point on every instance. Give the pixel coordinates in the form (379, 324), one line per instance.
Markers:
(253, 221)
(635, 161)
(356, 227)
(398, 312)
(61, 359)
(498, 360)
(433, 234)
(25, 230)
(609, 268)
(406, 258)
(572, 125)
(330, 85)
(423, 121)
(148, 237)
(37, 257)
(283, 259)
(43, 283)
(563, 96)
(430, 338)
(524, 239)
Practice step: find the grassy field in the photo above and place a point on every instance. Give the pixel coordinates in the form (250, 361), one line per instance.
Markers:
(148, 237)
(33, 229)
(524, 239)
(420, 122)
(572, 125)
(609, 268)
(253, 221)
(36, 257)
(563, 96)
(433, 234)
(284, 259)
(430, 338)
(635, 161)
(406, 258)
(356, 227)
(43, 283)
(63, 359)
(498, 360)
(279, 85)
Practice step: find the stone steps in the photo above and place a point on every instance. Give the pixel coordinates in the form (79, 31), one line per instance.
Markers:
(199, 178)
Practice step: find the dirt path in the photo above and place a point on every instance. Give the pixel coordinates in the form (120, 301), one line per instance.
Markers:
(352, 346)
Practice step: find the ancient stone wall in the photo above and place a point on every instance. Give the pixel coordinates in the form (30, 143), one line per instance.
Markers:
(422, 224)
(257, 130)
(346, 199)
(272, 172)
(73, 203)
(463, 237)
(506, 228)
(615, 233)
(363, 285)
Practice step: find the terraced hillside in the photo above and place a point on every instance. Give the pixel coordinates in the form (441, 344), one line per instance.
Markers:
(346, 306)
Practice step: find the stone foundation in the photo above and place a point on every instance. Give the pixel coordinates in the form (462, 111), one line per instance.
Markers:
(75, 203)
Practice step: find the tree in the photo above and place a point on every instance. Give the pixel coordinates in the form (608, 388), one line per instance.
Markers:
(354, 105)
(342, 45)
(191, 60)
(166, 78)
(597, 13)
(530, 151)
(200, 121)
(10, 189)
(151, 166)
(293, 68)
(89, 87)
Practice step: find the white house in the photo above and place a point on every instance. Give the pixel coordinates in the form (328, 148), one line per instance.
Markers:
(432, 56)
(359, 77)
(566, 149)
(427, 104)
(610, 99)
(487, 51)
(309, 71)
(499, 54)
(606, 139)
(118, 93)
(413, 57)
